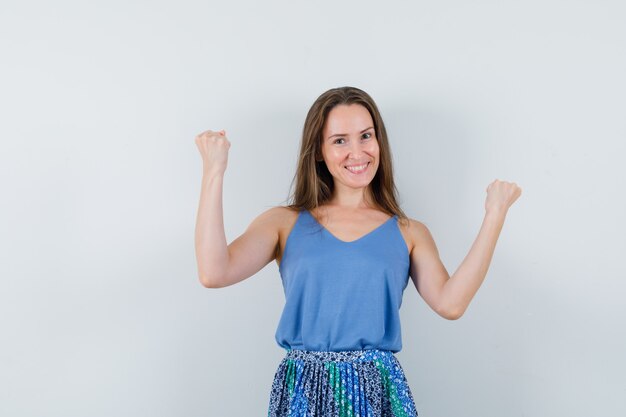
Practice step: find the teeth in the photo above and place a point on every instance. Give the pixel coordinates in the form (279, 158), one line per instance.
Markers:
(357, 168)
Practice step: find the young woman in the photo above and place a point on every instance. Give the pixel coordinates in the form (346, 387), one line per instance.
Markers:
(345, 251)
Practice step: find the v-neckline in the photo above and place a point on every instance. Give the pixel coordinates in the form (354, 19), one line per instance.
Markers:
(352, 241)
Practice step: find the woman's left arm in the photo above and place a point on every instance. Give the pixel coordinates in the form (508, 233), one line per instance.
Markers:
(459, 290)
(450, 296)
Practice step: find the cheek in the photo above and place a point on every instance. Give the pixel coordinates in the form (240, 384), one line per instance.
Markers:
(336, 155)
(374, 149)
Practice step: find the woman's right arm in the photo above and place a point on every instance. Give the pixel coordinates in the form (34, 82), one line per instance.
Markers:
(219, 264)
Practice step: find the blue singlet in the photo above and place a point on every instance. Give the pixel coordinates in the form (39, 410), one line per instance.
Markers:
(342, 295)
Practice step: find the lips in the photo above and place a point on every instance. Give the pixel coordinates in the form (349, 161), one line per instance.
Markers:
(362, 170)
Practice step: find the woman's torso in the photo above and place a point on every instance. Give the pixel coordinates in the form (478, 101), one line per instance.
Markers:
(343, 288)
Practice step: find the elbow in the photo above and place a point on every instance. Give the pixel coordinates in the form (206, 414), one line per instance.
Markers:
(451, 313)
(454, 315)
(211, 278)
(205, 282)
(209, 283)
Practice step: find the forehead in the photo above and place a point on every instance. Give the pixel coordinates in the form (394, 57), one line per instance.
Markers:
(347, 119)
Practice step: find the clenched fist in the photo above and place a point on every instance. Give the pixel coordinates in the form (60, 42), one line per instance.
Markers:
(501, 195)
(213, 147)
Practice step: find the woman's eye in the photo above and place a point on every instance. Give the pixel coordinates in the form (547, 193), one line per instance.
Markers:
(369, 135)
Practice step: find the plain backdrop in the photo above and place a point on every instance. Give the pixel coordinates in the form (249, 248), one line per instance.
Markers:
(101, 310)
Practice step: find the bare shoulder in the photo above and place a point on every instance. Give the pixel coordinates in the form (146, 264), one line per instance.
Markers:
(283, 219)
(415, 232)
(280, 219)
(279, 216)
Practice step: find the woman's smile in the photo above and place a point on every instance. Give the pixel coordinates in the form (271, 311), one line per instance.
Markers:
(358, 169)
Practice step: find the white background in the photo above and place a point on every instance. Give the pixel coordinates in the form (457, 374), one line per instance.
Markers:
(101, 309)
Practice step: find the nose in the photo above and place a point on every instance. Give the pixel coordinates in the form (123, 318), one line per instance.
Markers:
(356, 148)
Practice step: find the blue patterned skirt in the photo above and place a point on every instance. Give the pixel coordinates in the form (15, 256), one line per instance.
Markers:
(349, 383)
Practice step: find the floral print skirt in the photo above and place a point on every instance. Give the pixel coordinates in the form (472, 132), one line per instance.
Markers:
(349, 383)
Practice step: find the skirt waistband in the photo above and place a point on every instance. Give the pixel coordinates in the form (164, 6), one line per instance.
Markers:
(340, 355)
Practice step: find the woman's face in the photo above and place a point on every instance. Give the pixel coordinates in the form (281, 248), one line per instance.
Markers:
(349, 140)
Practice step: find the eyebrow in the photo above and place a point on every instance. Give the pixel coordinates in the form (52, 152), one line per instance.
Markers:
(344, 134)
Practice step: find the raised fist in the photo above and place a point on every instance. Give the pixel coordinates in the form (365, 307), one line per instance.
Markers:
(501, 195)
(213, 147)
